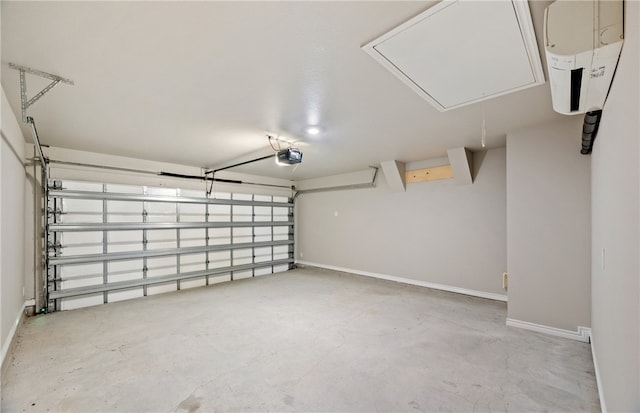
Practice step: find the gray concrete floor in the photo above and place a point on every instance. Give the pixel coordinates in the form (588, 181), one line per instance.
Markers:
(305, 340)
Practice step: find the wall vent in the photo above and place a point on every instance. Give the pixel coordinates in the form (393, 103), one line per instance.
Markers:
(460, 52)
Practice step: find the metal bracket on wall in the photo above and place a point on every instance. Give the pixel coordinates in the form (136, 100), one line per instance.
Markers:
(24, 102)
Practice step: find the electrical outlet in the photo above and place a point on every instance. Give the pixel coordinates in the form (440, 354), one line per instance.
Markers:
(505, 280)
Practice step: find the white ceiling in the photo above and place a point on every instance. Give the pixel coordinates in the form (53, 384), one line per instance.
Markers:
(200, 83)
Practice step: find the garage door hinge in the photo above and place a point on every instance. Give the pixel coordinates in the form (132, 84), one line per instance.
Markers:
(56, 185)
(54, 247)
(52, 212)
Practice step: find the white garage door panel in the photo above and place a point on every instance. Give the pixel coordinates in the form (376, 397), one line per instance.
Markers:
(124, 270)
(119, 211)
(161, 239)
(242, 275)
(263, 254)
(280, 252)
(242, 235)
(161, 288)
(198, 282)
(193, 213)
(280, 268)
(81, 243)
(280, 214)
(242, 213)
(125, 189)
(262, 271)
(280, 233)
(220, 259)
(160, 266)
(114, 296)
(193, 262)
(219, 236)
(82, 281)
(81, 210)
(242, 197)
(193, 237)
(125, 208)
(70, 272)
(83, 186)
(118, 241)
(72, 303)
(163, 191)
(115, 242)
(262, 213)
(161, 212)
(262, 234)
(219, 213)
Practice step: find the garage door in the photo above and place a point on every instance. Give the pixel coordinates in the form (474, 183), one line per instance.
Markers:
(108, 243)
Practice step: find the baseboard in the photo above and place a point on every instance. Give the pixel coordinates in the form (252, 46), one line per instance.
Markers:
(603, 405)
(8, 345)
(442, 287)
(583, 334)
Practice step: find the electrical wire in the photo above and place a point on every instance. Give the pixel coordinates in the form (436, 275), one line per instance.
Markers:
(271, 139)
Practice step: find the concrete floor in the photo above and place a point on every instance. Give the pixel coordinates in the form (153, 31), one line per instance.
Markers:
(305, 340)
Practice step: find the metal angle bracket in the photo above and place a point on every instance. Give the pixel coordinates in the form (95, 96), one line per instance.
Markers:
(24, 102)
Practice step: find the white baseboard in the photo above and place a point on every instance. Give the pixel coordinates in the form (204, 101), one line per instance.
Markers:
(583, 334)
(474, 293)
(6, 347)
(603, 405)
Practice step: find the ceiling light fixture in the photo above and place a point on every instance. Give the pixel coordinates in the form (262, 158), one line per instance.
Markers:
(313, 130)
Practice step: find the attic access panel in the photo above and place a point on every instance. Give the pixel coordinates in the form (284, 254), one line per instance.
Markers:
(461, 52)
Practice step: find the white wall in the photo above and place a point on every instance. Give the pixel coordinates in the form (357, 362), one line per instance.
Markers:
(435, 232)
(12, 200)
(548, 226)
(616, 206)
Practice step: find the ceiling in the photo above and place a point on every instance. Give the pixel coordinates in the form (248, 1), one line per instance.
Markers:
(201, 83)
